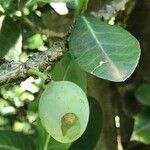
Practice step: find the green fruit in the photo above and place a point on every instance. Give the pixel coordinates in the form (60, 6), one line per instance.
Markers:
(64, 111)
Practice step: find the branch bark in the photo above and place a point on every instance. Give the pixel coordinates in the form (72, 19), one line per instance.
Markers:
(13, 71)
(111, 9)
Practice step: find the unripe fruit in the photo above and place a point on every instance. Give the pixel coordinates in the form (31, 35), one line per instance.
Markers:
(64, 111)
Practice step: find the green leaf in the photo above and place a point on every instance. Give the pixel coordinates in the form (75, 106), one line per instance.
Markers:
(82, 6)
(31, 2)
(142, 127)
(54, 145)
(10, 39)
(92, 133)
(143, 94)
(68, 70)
(46, 142)
(5, 3)
(106, 51)
(34, 42)
(10, 140)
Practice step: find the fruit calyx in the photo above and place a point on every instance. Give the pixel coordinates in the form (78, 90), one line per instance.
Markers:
(67, 121)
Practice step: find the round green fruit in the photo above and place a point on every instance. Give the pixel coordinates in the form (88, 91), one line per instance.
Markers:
(64, 111)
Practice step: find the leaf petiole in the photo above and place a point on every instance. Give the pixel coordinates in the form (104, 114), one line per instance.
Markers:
(38, 73)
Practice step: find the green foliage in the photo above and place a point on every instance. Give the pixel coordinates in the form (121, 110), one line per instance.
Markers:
(68, 70)
(5, 3)
(10, 43)
(34, 42)
(46, 142)
(10, 140)
(142, 127)
(143, 94)
(106, 51)
(142, 120)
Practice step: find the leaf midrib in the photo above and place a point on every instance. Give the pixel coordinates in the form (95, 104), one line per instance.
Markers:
(113, 66)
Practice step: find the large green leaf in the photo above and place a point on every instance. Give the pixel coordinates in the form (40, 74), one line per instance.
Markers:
(10, 140)
(10, 39)
(68, 70)
(92, 133)
(143, 94)
(142, 127)
(46, 142)
(106, 51)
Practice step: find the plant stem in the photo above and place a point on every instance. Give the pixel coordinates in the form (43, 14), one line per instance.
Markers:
(38, 73)
(46, 143)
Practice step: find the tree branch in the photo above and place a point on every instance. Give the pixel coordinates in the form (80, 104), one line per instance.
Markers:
(13, 71)
(111, 9)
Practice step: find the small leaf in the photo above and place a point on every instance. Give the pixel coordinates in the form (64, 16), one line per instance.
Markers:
(92, 133)
(10, 140)
(142, 127)
(143, 94)
(10, 39)
(68, 70)
(34, 42)
(106, 51)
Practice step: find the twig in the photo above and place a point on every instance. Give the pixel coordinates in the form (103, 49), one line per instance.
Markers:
(13, 71)
(111, 9)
